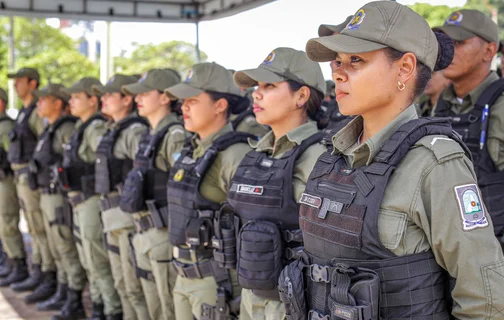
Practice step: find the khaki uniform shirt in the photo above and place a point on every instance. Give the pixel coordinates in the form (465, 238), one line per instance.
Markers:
(420, 212)
(249, 125)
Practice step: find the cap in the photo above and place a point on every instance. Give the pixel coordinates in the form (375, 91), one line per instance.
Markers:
(3, 96)
(54, 90)
(25, 72)
(465, 24)
(83, 85)
(204, 77)
(284, 64)
(155, 79)
(114, 84)
(379, 25)
(328, 30)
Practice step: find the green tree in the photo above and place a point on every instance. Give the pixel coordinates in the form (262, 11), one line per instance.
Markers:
(435, 15)
(45, 48)
(178, 55)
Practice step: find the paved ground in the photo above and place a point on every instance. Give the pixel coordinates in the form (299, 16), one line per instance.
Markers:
(12, 305)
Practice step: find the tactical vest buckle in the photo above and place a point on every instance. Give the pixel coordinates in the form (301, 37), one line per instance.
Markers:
(314, 315)
(472, 118)
(319, 274)
(293, 253)
(293, 235)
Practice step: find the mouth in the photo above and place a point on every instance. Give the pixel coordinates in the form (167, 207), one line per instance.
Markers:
(340, 95)
(256, 108)
(185, 117)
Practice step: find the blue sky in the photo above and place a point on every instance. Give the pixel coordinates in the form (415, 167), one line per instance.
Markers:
(244, 40)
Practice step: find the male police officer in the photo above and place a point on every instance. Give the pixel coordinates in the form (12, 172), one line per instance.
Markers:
(475, 103)
(23, 141)
(12, 240)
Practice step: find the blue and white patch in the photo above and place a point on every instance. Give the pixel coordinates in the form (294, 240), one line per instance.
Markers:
(357, 20)
(189, 76)
(269, 59)
(455, 18)
(176, 155)
(471, 207)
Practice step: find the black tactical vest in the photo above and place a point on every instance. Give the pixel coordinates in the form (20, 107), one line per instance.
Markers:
(469, 126)
(45, 157)
(339, 219)
(74, 173)
(110, 171)
(191, 215)
(261, 195)
(22, 139)
(5, 168)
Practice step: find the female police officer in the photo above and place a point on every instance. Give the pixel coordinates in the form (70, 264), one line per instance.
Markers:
(270, 180)
(198, 184)
(395, 204)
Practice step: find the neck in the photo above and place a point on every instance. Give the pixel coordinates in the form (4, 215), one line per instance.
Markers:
(468, 83)
(52, 118)
(379, 118)
(286, 125)
(88, 115)
(27, 100)
(212, 127)
(155, 119)
(118, 117)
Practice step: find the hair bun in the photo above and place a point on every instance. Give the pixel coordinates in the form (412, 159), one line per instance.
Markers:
(242, 104)
(446, 50)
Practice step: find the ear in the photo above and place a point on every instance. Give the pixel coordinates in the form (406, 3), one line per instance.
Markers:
(221, 106)
(489, 51)
(407, 67)
(302, 96)
(127, 100)
(93, 101)
(164, 100)
(32, 84)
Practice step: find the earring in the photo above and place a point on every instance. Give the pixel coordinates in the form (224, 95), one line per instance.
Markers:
(401, 86)
(299, 105)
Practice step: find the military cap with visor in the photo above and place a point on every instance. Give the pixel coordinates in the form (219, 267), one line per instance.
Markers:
(155, 79)
(114, 84)
(465, 24)
(378, 25)
(83, 85)
(325, 30)
(25, 72)
(204, 77)
(52, 90)
(284, 64)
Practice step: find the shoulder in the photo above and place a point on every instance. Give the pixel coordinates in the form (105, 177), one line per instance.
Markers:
(134, 129)
(234, 153)
(437, 147)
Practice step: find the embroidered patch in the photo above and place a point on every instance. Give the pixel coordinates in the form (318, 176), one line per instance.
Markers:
(189, 76)
(310, 200)
(455, 18)
(175, 156)
(471, 207)
(357, 20)
(346, 171)
(179, 175)
(144, 76)
(188, 160)
(266, 163)
(269, 59)
(244, 188)
(328, 205)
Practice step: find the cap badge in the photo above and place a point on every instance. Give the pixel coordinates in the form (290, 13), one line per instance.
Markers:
(357, 20)
(189, 76)
(144, 76)
(455, 18)
(269, 59)
(111, 81)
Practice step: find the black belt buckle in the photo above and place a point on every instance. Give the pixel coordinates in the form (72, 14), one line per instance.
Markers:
(314, 315)
(320, 273)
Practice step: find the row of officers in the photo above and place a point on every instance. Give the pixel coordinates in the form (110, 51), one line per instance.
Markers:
(383, 216)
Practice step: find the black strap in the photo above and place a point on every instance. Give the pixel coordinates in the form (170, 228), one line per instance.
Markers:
(78, 199)
(110, 247)
(143, 224)
(107, 203)
(491, 94)
(236, 122)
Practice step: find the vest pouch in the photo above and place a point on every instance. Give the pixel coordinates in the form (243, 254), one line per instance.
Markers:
(132, 196)
(64, 215)
(102, 175)
(224, 239)
(199, 230)
(32, 175)
(292, 291)
(259, 255)
(88, 185)
(355, 294)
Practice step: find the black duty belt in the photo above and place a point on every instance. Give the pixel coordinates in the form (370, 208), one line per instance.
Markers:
(49, 190)
(194, 271)
(107, 203)
(185, 253)
(78, 199)
(19, 172)
(143, 224)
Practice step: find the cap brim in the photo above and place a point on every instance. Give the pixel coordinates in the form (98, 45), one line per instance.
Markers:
(13, 75)
(325, 48)
(455, 32)
(250, 78)
(135, 88)
(182, 91)
(101, 90)
(40, 93)
(325, 30)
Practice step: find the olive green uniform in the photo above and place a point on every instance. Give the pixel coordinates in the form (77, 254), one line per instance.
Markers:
(118, 226)
(249, 124)
(29, 201)
(153, 251)
(420, 212)
(89, 231)
(254, 307)
(60, 239)
(12, 239)
(190, 294)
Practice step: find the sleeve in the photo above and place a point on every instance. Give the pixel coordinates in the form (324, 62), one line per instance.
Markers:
(250, 125)
(303, 168)
(36, 123)
(230, 164)
(127, 144)
(462, 238)
(94, 133)
(62, 136)
(495, 140)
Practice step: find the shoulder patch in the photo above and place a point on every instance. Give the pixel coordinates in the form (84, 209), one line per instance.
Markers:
(176, 130)
(95, 123)
(471, 207)
(137, 125)
(443, 147)
(250, 119)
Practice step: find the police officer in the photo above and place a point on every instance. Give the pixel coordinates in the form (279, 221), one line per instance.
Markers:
(144, 194)
(12, 240)
(271, 179)
(77, 176)
(474, 86)
(198, 184)
(52, 106)
(115, 155)
(395, 205)
(23, 141)
(431, 94)
(243, 119)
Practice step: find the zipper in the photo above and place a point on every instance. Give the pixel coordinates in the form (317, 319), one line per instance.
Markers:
(340, 189)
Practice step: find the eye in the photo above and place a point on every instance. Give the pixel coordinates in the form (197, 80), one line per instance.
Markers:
(335, 64)
(355, 59)
(269, 85)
